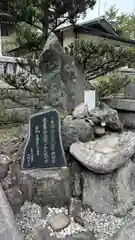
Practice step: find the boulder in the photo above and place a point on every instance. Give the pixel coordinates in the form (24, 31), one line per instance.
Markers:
(105, 154)
(46, 187)
(107, 115)
(80, 111)
(127, 232)
(8, 226)
(74, 130)
(110, 193)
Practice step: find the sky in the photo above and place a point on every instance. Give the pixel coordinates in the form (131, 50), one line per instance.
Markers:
(128, 6)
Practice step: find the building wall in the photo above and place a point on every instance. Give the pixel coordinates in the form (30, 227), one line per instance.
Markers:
(69, 37)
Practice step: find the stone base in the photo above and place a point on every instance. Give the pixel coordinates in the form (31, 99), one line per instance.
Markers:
(110, 193)
(46, 187)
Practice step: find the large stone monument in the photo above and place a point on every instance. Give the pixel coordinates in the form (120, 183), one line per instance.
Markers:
(62, 75)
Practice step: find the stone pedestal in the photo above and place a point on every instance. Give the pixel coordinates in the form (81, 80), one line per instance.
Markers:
(110, 193)
(46, 187)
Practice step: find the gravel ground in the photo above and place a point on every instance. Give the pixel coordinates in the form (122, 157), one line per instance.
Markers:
(103, 225)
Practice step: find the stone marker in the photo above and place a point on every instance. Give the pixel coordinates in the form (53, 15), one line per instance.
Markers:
(44, 147)
(131, 91)
(8, 228)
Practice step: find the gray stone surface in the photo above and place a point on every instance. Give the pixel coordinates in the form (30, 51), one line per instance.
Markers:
(110, 193)
(105, 154)
(46, 187)
(74, 130)
(127, 232)
(62, 75)
(81, 236)
(99, 131)
(58, 221)
(108, 115)
(76, 179)
(15, 198)
(75, 207)
(42, 233)
(80, 111)
(122, 104)
(4, 165)
(96, 192)
(8, 227)
(130, 91)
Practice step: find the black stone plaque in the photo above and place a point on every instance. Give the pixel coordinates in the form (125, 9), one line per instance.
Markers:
(44, 147)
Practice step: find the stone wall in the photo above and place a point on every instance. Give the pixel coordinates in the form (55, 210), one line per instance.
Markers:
(125, 108)
(11, 111)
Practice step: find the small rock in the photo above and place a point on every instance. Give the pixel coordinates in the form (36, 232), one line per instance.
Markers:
(99, 131)
(75, 207)
(42, 233)
(58, 221)
(107, 115)
(44, 211)
(78, 219)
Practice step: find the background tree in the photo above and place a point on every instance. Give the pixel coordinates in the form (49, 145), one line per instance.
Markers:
(124, 23)
(34, 19)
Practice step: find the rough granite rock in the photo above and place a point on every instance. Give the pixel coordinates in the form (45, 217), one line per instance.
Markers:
(46, 187)
(80, 111)
(8, 226)
(110, 193)
(106, 154)
(74, 130)
(107, 115)
(127, 232)
(62, 75)
(58, 221)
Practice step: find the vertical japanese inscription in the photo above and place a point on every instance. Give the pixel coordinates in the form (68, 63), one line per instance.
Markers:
(44, 146)
(37, 135)
(53, 142)
(45, 141)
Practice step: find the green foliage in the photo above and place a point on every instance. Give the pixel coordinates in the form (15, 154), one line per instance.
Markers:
(99, 59)
(123, 22)
(34, 19)
(113, 84)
